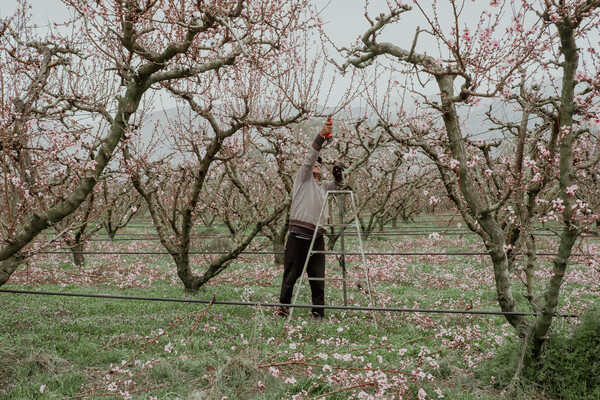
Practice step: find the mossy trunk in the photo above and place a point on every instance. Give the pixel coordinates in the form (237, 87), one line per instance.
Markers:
(8, 266)
(477, 206)
(78, 255)
(567, 177)
(278, 249)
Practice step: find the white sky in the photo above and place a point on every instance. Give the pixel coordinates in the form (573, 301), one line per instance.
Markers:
(344, 18)
(344, 21)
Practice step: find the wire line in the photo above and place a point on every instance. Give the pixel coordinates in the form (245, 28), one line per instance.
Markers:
(259, 304)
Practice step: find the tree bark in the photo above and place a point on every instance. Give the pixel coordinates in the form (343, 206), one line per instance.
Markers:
(566, 30)
(494, 241)
(279, 248)
(8, 266)
(77, 250)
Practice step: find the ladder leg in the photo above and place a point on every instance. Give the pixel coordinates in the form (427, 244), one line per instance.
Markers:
(364, 262)
(342, 259)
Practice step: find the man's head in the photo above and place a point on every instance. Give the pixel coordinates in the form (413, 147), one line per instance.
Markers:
(317, 171)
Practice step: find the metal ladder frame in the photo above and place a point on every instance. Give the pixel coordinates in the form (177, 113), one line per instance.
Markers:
(342, 253)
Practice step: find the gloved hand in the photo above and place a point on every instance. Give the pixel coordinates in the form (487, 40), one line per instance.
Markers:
(338, 171)
(326, 130)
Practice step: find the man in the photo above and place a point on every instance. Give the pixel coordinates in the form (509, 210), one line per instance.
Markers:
(308, 196)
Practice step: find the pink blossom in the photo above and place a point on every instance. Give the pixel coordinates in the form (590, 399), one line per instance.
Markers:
(571, 190)
(112, 387)
(422, 394)
(168, 348)
(435, 236)
(557, 204)
(580, 101)
(291, 380)
(466, 35)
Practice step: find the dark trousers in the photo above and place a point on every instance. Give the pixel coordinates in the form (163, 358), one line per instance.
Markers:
(296, 250)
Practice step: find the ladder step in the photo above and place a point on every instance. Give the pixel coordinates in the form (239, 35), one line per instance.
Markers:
(351, 225)
(339, 191)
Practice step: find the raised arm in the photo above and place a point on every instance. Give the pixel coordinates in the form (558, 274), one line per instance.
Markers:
(306, 168)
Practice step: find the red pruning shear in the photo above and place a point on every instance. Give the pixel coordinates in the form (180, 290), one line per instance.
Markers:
(329, 136)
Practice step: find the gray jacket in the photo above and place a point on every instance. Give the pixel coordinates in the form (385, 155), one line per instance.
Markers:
(308, 195)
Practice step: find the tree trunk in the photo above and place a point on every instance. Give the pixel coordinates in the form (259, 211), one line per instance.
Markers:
(530, 272)
(191, 282)
(279, 236)
(381, 224)
(332, 240)
(8, 266)
(110, 230)
(278, 247)
(77, 250)
(476, 206)
(566, 179)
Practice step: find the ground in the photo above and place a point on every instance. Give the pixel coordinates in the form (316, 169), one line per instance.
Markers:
(77, 347)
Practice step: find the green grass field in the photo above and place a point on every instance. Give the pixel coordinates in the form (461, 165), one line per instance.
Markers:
(55, 347)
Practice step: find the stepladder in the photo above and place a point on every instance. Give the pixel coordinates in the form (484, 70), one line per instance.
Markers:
(351, 275)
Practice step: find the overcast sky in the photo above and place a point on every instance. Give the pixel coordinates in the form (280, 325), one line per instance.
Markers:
(344, 21)
(344, 18)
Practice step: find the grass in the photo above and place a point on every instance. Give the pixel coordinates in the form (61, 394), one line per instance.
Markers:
(68, 347)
